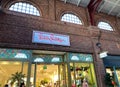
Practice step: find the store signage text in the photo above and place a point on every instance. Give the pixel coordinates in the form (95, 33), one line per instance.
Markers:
(50, 38)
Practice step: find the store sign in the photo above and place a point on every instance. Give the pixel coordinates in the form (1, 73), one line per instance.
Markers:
(103, 54)
(50, 38)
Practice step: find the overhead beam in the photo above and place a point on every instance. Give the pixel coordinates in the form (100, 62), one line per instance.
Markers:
(78, 2)
(92, 6)
(118, 14)
(113, 6)
(102, 6)
(111, 2)
(65, 1)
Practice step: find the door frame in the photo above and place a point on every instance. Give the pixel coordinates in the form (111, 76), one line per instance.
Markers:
(59, 67)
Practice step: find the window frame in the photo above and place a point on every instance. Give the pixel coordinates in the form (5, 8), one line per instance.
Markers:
(71, 13)
(28, 2)
(105, 28)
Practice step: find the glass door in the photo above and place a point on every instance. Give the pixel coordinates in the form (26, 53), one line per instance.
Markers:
(48, 75)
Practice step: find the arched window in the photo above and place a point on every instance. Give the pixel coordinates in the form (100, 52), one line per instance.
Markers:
(71, 18)
(105, 26)
(24, 7)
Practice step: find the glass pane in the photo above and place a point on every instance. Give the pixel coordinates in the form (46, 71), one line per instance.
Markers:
(11, 71)
(32, 75)
(113, 76)
(104, 25)
(80, 57)
(14, 53)
(118, 74)
(47, 58)
(71, 18)
(24, 8)
(81, 72)
(63, 77)
(47, 75)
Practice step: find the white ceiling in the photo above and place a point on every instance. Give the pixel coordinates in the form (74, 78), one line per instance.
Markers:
(110, 7)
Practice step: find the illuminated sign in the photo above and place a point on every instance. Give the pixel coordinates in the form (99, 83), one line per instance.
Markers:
(50, 38)
(103, 54)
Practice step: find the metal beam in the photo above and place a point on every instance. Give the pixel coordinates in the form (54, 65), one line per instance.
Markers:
(78, 2)
(111, 2)
(65, 1)
(92, 6)
(116, 3)
(118, 14)
(101, 7)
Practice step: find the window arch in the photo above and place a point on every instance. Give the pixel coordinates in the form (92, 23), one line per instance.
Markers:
(68, 17)
(105, 26)
(24, 7)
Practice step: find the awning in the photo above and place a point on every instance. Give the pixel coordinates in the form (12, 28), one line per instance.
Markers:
(111, 61)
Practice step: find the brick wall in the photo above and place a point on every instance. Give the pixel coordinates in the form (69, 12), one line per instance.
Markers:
(16, 31)
(17, 28)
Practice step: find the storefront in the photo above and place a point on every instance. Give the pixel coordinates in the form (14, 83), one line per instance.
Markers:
(112, 66)
(82, 68)
(14, 63)
(48, 68)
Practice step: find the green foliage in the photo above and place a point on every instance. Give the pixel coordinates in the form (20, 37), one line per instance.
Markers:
(18, 76)
(108, 80)
(43, 82)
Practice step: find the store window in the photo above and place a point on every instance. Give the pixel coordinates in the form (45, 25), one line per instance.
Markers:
(112, 66)
(105, 26)
(13, 72)
(49, 70)
(24, 7)
(13, 66)
(68, 17)
(82, 70)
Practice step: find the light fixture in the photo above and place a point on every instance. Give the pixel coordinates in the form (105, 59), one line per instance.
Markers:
(98, 44)
(5, 63)
(103, 54)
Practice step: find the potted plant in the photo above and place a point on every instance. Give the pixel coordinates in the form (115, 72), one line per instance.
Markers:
(17, 77)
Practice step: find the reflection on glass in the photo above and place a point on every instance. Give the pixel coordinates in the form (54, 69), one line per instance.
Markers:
(47, 77)
(52, 76)
(38, 60)
(82, 71)
(25, 8)
(55, 59)
(10, 71)
(74, 58)
(20, 55)
(115, 75)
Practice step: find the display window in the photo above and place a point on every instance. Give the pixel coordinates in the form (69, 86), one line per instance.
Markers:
(114, 73)
(82, 70)
(13, 67)
(13, 73)
(37, 68)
